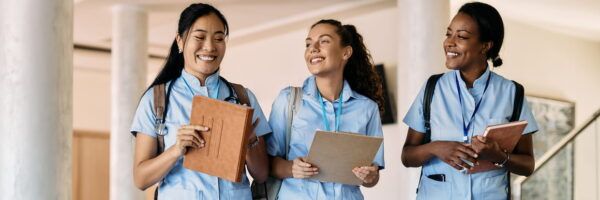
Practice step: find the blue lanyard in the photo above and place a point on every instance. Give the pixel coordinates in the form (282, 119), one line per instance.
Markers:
(215, 96)
(468, 126)
(338, 112)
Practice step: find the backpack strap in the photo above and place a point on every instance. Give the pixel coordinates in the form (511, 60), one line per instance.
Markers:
(161, 104)
(159, 112)
(427, 98)
(516, 115)
(241, 93)
(518, 102)
(294, 105)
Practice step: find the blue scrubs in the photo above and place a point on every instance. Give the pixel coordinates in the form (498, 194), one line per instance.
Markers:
(359, 114)
(181, 183)
(495, 108)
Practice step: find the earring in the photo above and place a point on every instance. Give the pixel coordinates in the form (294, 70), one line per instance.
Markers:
(180, 51)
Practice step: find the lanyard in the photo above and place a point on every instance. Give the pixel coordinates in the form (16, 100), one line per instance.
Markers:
(192, 91)
(468, 126)
(338, 112)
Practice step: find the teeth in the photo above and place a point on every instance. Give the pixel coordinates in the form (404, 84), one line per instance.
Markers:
(314, 60)
(452, 54)
(206, 58)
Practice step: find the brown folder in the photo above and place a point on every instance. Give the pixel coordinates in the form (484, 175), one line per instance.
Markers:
(506, 135)
(224, 149)
(336, 154)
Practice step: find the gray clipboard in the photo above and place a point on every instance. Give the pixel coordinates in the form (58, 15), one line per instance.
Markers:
(336, 154)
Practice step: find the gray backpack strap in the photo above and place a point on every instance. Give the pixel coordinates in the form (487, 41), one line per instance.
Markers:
(294, 105)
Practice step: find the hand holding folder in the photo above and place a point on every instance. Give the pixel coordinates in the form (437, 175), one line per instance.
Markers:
(505, 136)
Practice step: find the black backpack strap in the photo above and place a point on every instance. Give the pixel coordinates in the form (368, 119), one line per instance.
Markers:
(518, 102)
(427, 98)
(516, 115)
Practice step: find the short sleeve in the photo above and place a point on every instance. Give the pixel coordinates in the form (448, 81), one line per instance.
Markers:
(277, 120)
(527, 115)
(143, 120)
(262, 128)
(374, 129)
(414, 117)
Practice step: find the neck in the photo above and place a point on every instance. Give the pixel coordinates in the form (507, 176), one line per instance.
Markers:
(330, 87)
(471, 74)
(201, 77)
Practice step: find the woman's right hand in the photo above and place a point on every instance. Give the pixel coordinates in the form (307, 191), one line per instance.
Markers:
(189, 136)
(302, 169)
(453, 153)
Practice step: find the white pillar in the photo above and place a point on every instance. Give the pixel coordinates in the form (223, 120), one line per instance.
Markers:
(422, 25)
(36, 70)
(128, 72)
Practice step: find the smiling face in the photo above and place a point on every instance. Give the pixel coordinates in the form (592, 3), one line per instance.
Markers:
(204, 46)
(324, 52)
(462, 46)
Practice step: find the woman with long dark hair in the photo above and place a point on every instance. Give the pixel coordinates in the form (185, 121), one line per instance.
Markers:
(192, 68)
(467, 99)
(344, 93)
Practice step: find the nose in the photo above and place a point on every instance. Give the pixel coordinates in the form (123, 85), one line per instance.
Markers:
(208, 45)
(314, 48)
(449, 42)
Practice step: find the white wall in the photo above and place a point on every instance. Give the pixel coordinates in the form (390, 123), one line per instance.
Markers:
(548, 64)
(560, 67)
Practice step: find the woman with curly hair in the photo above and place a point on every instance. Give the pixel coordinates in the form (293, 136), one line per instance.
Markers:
(343, 94)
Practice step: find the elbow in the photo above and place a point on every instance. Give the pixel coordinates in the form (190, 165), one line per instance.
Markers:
(529, 171)
(140, 182)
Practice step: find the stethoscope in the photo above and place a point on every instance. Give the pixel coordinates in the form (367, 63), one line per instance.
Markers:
(233, 97)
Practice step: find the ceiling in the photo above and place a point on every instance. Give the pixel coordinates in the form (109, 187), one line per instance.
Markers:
(252, 20)
(247, 18)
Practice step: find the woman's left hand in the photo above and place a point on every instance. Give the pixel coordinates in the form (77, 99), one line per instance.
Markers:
(487, 150)
(367, 174)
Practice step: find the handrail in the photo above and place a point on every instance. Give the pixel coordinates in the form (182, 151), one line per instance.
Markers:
(551, 153)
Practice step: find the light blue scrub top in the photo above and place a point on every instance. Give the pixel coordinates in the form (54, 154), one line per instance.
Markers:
(496, 108)
(359, 115)
(181, 183)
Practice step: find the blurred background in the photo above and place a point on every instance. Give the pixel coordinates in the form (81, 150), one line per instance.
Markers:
(99, 53)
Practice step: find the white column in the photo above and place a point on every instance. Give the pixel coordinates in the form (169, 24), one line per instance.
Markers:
(36, 75)
(128, 72)
(422, 25)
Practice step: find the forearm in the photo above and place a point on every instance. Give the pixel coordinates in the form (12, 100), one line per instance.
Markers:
(521, 164)
(150, 171)
(257, 161)
(417, 155)
(281, 168)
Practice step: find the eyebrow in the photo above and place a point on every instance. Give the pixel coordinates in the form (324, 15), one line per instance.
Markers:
(320, 36)
(459, 30)
(204, 31)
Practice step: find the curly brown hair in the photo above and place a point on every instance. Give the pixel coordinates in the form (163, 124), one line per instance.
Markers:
(359, 70)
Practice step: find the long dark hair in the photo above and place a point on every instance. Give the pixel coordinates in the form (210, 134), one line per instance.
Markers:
(359, 70)
(491, 27)
(174, 62)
